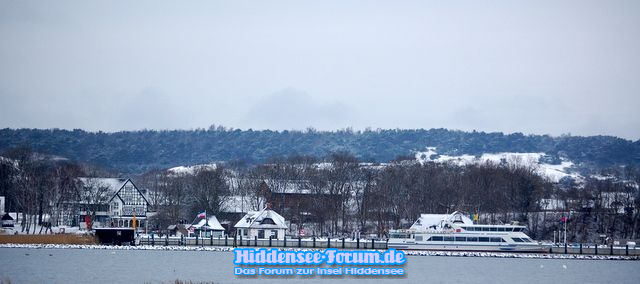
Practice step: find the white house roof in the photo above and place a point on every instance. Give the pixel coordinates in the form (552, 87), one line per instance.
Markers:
(213, 224)
(264, 219)
(240, 204)
(428, 220)
(111, 185)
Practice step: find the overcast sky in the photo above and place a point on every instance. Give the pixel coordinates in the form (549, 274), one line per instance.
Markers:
(542, 67)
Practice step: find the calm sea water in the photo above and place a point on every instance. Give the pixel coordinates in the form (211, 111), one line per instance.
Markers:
(21, 265)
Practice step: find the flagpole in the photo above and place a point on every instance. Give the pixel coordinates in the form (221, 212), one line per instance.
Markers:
(565, 231)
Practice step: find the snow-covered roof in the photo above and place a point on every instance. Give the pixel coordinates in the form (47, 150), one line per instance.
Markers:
(111, 185)
(289, 186)
(212, 223)
(240, 204)
(264, 219)
(428, 220)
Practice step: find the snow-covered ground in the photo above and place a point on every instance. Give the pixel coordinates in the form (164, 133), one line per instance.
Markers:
(190, 170)
(409, 253)
(17, 230)
(553, 172)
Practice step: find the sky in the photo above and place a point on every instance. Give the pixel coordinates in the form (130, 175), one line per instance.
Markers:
(536, 67)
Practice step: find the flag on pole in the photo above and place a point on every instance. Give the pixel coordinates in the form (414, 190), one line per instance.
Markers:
(202, 215)
(87, 220)
(563, 220)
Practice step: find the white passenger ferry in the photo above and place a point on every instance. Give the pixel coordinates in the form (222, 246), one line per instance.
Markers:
(457, 232)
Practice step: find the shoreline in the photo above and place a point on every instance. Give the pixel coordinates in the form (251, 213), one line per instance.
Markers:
(408, 253)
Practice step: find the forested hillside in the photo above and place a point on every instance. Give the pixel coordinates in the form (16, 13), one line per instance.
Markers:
(139, 151)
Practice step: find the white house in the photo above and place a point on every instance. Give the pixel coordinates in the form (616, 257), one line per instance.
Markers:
(206, 228)
(128, 203)
(106, 202)
(261, 224)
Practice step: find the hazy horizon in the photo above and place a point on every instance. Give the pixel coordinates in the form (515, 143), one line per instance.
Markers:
(543, 67)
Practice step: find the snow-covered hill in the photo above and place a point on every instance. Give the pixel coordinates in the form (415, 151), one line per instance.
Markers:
(190, 170)
(555, 172)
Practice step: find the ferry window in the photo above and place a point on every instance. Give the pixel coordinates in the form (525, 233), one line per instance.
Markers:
(493, 229)
(398, 235)
(496, 240)
(461, 239)
(436, 239)
(448, 239)
(517, 240)
(485, 229)
(483, 239)
(528, 240)
(472, 239)
(465, 228)
(517, 229)
(501, 229)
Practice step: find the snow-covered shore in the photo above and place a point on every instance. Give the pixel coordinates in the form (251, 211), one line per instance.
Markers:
(409, 253)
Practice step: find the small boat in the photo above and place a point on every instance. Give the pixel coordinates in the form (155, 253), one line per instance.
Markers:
(457, 232)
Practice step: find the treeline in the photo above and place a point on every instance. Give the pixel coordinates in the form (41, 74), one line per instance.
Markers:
(35, 184)
(339, 194)
(141, 151)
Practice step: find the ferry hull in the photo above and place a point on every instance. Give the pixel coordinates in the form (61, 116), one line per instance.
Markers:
(474, 248)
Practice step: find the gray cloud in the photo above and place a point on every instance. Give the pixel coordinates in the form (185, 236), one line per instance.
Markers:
(295, 109)
(533, 67)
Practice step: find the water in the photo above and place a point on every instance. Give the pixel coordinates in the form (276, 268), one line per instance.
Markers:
(21, 265)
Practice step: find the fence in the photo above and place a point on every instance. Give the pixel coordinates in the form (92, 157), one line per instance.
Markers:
(255, 242)
(595, 249)
(353, 244)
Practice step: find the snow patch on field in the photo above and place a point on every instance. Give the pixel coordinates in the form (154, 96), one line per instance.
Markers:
(190, 170)
(553, 172)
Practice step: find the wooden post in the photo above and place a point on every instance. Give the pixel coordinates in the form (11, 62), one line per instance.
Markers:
(225, 240)
(358, 243)
(314, 242)
(596, 249)
(580, 248)
(153, 240)
(611, 250)
(299, 242)
(285, 241)
(373, 244)
(255, 242)
(328, 242)
(241, 240)
(565, 248)
(270, 237)
(343, 243)
(626, 250)
(196, 240)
